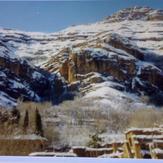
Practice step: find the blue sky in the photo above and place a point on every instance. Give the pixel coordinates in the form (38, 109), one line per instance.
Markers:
(51, 16)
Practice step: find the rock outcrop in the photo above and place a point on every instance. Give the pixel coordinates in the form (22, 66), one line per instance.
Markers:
(84, 63)
(137, 13)
(124, 44)
(113, 56)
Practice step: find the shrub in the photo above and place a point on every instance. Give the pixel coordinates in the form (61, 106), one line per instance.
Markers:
(118, 120)
(52, 134)
(95, 141)
(146, 118)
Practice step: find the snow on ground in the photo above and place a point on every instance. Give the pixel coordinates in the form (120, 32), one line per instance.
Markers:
(54, 154)
(117, 154)
(15, 84)
(36, 75)
(148, 34)
(112, 137)
(31, 137)
(6, 100)
(18, 159)
(24, 137)
(157, 150)
(105, 94)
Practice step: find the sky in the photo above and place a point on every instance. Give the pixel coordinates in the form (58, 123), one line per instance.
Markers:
(52, 16)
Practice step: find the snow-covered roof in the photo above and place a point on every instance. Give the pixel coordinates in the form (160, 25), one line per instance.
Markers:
(144, 129)
(23, 137)
(54, 154)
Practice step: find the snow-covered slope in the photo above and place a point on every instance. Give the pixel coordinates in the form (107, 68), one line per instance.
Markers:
(35, 47)
(130, 40)
(38, 47)
(146, 34)
(132, 47)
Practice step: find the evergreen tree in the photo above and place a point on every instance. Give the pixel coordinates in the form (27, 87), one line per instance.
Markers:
(26, 121)
(38, 123)
(15, 116)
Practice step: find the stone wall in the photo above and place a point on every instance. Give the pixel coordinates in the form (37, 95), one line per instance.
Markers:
(21, 147)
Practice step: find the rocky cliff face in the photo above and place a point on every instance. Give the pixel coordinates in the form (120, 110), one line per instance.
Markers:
(111, 56)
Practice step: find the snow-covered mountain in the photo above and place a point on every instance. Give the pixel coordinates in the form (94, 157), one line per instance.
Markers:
(115, 60)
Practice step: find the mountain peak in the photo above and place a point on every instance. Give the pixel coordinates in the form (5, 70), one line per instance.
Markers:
(136, 13)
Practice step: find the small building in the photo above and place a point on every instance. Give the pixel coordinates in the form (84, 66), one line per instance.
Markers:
(106, 150)
(22, 145)
(138, 139)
